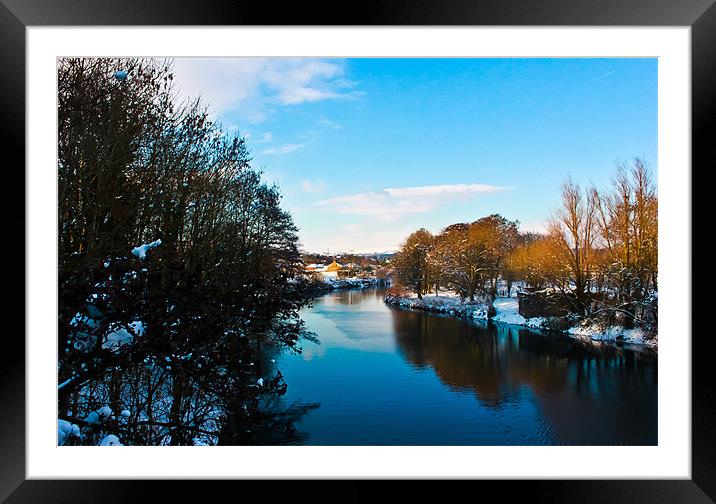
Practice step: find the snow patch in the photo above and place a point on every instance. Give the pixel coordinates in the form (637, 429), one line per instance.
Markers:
(597, 332)
(350, 283)
(92, 418)
(110, 440)
(141, 250)
(508, 312)
(65, 430)
(105, 412)
(446, 304)
(121, 337)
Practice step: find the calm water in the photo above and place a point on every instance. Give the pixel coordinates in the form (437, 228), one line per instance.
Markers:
(384, 376)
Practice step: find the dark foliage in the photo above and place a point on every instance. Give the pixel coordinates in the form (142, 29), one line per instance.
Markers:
(176, 335)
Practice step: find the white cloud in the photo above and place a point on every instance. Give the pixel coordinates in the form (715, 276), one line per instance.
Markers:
(253, 85)
(313, 186)
(265, 138)
(282, 149)
(257, 117)
(392, 203)
(441, 190)
(329, 124)
(299, 80)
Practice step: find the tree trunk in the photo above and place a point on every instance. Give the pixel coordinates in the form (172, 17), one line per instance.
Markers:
(175, 411)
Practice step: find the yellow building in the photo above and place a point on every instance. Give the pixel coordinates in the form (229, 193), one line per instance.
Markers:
(334, 266)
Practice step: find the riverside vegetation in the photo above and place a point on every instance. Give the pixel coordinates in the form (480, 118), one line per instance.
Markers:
(597, 264)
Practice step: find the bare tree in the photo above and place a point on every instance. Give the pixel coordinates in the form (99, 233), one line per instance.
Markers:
(573, 230)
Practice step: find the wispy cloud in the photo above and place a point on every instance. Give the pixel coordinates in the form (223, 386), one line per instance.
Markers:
(329, 124)
(264, 138)
(254, 85)
(256, 117)
(600, 77)
(312, 186)
(441, 190)
(392, 203)
(282, 149)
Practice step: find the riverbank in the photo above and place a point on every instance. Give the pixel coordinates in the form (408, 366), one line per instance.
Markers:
(506, 311)
(329, 284)
(355, 283)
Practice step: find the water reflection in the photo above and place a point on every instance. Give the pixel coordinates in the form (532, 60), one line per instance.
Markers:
(451, 381)
(579, 386)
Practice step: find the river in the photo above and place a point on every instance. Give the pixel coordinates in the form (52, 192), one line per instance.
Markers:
(385, 376)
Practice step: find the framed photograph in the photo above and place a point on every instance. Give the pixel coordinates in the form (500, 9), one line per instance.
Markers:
(428, 242)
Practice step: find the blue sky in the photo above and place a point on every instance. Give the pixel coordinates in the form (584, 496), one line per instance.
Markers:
(368, 150)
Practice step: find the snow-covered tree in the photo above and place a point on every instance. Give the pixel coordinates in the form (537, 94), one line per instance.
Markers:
(177, 264)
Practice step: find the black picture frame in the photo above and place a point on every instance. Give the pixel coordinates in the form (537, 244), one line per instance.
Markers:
(16, 15)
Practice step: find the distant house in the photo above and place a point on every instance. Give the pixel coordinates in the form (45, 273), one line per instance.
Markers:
(330, 270)
(334, 266)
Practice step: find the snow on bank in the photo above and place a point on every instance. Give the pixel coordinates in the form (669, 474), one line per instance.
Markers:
(506, 309)
(598, 332)
(507, 312)
(350, 283)
(449, 305)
